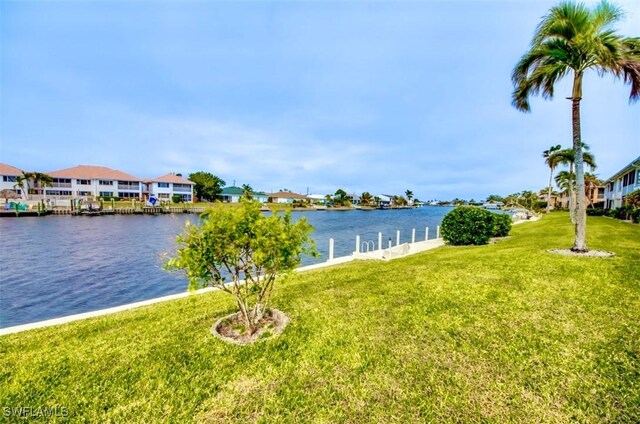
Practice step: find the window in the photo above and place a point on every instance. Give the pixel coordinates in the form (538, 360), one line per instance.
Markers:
(85, 193)
(163, 196)
(83, 182)
(9, 178)
(125, 195)
(106, 194)
(105, 182)
(59, 192)
(128, 185)
(163, 185)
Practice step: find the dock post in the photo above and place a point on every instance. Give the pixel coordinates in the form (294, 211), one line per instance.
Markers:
(357, 244)
(426, 234)
(438, 232)
(413, 235)
(330, 249)
(397, 237)
(379, 241)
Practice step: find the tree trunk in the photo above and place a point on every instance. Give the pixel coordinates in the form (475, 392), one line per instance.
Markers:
(579, 244)
(570, 202)
(549, 193)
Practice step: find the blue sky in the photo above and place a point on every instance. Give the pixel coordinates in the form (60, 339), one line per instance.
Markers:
(376, 96)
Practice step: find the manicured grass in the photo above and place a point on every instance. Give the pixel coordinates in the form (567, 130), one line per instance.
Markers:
(498, 333)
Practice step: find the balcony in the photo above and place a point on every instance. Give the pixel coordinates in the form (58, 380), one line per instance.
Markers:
(64, 185)
(182, 189)
(128, 187)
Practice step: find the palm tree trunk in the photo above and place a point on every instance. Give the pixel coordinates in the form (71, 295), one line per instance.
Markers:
(571, 204)
(549, 193)
(579, 244)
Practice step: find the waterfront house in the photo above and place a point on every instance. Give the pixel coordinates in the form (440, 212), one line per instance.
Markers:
(286, 197)
(385, 200)
(317, 199)
(233, 194)
(98, 181)
(169, 185)
(622, 183)
(8, 177)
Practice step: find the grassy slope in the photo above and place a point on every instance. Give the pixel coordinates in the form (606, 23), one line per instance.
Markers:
(505, 332)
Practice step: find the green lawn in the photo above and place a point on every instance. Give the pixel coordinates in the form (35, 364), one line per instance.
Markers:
(498, 333)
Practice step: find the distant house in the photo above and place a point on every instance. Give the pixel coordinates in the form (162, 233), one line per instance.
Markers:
(233, 194)
(8, 177)
(492, 205)
(98, 181)
(286, 197)
(385, 200)
(622, 183)
(317, 199)
(169, 185)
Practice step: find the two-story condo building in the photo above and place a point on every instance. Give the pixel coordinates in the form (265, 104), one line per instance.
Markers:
(166, 186)
(622, 183)
(8, 177)
(97, 181)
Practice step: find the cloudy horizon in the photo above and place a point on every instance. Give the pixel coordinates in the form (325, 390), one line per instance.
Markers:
(363, 96)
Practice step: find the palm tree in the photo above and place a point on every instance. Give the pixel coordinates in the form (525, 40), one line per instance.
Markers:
(591, 184)
(32, 180)
(409, 195)
(22, 181)
(42, 180)
(247, 191)
(549, 160)
(366, 198)
(568, 157)
(564, 181)
(572, 39)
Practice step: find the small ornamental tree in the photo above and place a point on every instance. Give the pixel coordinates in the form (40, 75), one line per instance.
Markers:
(241, 251)
(467, 225)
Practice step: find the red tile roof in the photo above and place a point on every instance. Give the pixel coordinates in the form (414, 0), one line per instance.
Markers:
(9, 170)
(90, 172)
(172, 178)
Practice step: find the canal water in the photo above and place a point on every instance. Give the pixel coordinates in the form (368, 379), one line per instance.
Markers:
(62, 265)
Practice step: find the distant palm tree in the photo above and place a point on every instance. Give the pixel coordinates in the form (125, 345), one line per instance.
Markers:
(591, 183)
(551, 163)
(572, 39)
(366, 198)
(32, 180)
(568, 157)
(42, 180)
(409, 195)
(247, 191)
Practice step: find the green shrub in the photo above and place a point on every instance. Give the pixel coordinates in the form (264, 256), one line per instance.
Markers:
(176, 198)
(501, 224)
(468, 225)
(595, 212)
(635, 216)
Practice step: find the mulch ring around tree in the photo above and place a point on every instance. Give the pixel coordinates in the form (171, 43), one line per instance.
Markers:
(231, 328)
(588, 254)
